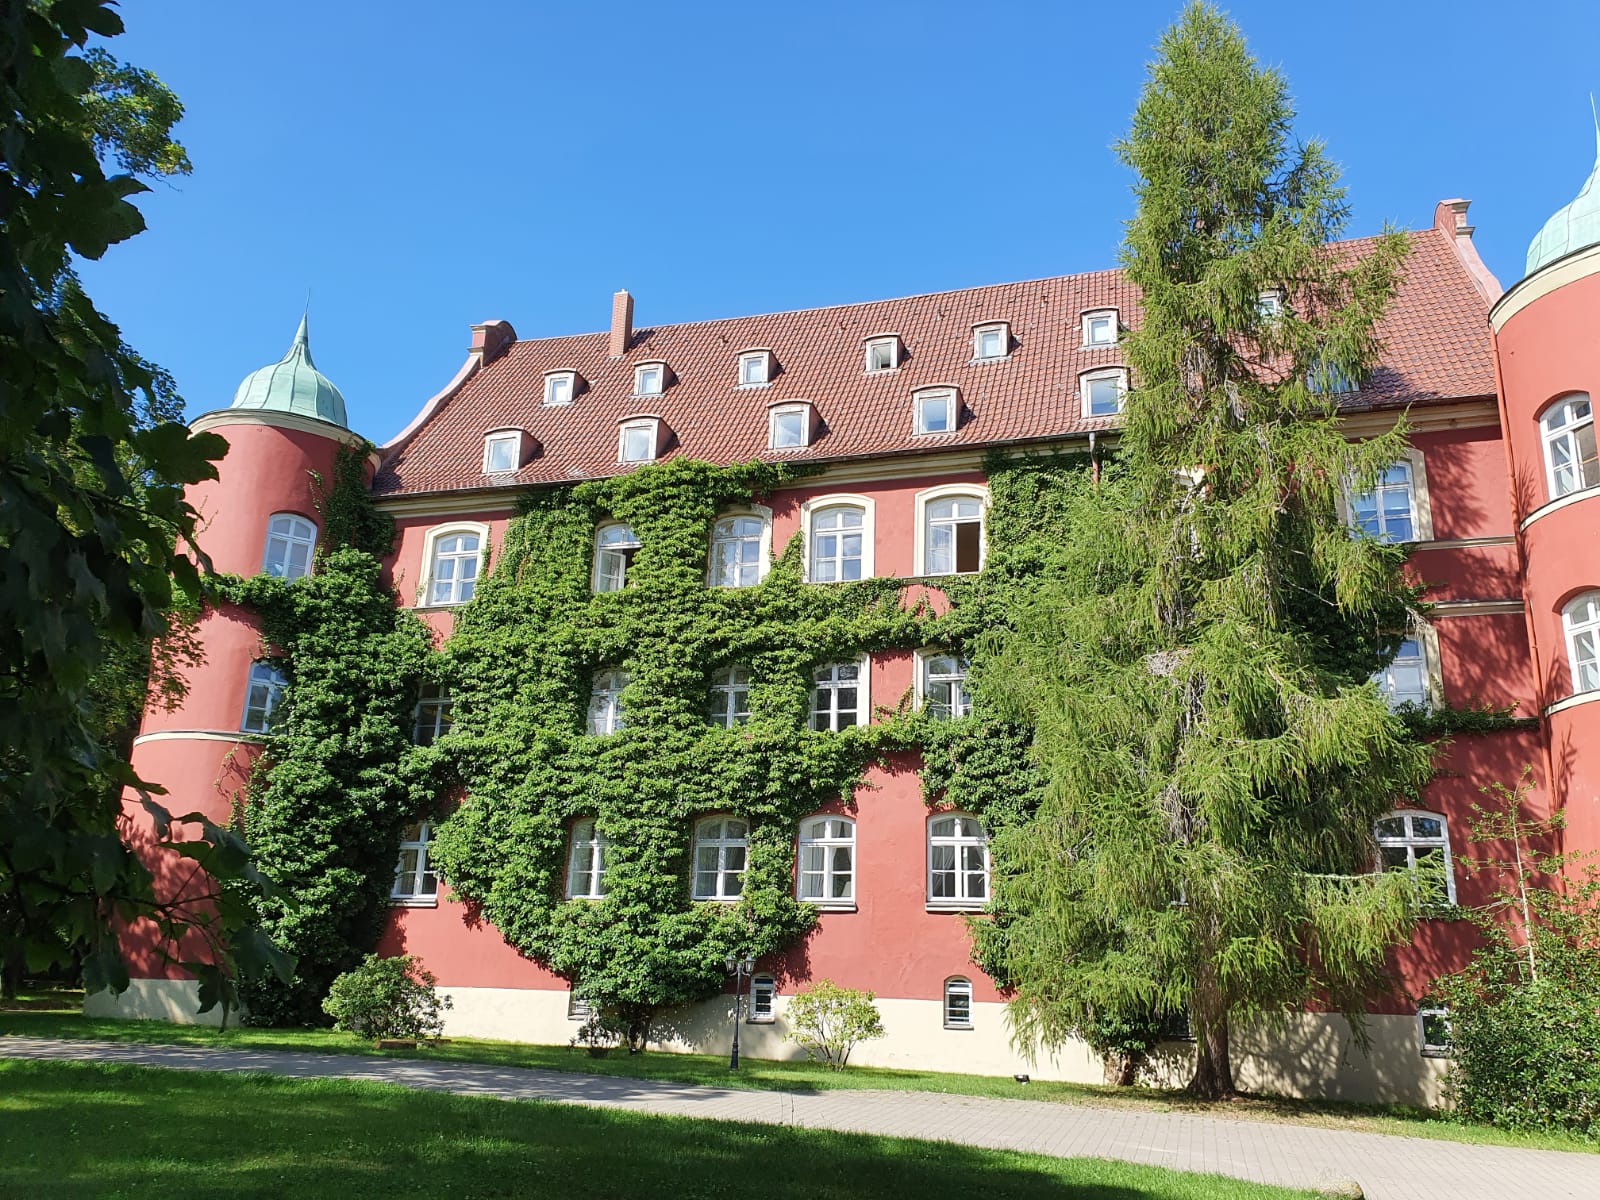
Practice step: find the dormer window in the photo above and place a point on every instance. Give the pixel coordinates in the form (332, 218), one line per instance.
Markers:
(755, 368)
(935, 410)
(1100, 327)
(638, 440)
(1101, 392)
(649, 379)
(788, 426)
(1326, 378)
(1269, 305)
(991, 341)
(883, 353)
(559, 387)
(502, 451)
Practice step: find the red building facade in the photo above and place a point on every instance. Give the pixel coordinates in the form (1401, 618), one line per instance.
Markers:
(896, 403)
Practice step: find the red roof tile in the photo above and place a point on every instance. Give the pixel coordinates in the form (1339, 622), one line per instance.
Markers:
(1435, 336)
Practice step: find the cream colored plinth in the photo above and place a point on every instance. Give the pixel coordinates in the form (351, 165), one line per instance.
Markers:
(1310, 1055)
(174, 1000)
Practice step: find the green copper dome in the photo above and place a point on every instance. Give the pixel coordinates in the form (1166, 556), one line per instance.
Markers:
(1573, 227)
(293, 384)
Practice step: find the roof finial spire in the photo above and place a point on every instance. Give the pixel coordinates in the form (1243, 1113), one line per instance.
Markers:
(1596, 115)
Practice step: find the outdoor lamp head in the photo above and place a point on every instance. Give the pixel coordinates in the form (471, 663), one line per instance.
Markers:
(749, 963)
(732, 961)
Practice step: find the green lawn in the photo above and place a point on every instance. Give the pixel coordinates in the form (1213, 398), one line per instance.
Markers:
(61, 1022)
(117, 1132)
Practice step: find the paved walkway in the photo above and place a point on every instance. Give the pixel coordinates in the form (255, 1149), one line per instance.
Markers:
(1388, 1168)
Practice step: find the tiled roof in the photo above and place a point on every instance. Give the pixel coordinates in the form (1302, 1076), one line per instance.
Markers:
(1435, 336)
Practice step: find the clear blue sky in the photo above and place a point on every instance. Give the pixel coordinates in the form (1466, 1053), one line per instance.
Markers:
(421, 166)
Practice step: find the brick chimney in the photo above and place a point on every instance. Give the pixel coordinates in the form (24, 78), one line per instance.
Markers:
(621, 323)
(490, 339)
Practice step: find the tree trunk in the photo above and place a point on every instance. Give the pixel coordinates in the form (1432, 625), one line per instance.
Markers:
(1213, 1070)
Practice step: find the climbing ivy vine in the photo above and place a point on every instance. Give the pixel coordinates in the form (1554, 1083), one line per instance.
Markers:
(337, 779)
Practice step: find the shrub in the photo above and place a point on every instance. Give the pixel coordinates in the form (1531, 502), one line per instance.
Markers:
(387, 998)
(829, 1020)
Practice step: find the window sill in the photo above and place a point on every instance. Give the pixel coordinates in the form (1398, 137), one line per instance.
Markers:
(413, 902)
(952, 906)
(821, 906)
(760, 1021)
(984, 362)
(1436, 1052)
(445, 606)
(752, 387)
(716, 899)
(958, 1028)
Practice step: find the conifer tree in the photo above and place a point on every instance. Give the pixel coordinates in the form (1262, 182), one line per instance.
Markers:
(1196, 669)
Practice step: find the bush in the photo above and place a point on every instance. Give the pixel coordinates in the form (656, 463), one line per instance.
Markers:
(387, 998)
(829, 1020)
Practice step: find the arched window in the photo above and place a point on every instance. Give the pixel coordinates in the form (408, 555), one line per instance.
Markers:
(614, 548)
(1405, 679)
(1581, 620)
(586, 862)
(958, 862)
(1567, 429)
(432, 717)
(838, 696)
(763, 991)
(958, 1003)
(1389, 511)
(414, 877)
(453, 571)
(1418, 841)
(721, 845)
(837, 543)
(263, 693)
(827, 860)
(730, 697)
(290, 541)
(942, 685)
(605, 702)
(736, 551)
(950, 537)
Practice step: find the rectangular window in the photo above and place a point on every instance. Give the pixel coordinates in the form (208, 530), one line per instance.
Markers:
(1433, 1024)
(786, 428)
(954, 536)
(578, 1009)
(500, 453)
(1102, 394)
(647, 380)
(763, 991)
(752, 369)
(730, 697)
(935, 412)
(827, 861)
(432, 715)
(1269, 305)
(944, 687)
(882, 354)
(1388, 511)
(263, 691)
(638, 442)
(958, 1004)
(991, 341)
(414, 877)
(1327, 379)
(1100, 328)
(1405, 679)
(836, 697)
(558, 389)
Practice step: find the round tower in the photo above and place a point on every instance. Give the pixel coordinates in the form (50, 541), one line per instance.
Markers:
(1547, 349)
(284, 430)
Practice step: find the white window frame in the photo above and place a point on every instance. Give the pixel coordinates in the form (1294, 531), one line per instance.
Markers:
(262, 674)
(960, 988)
(730, 697)
(826, 842)
(413, 892)
(502, 437)
(586, 856)
(1328, 379)
(1567, 434)
(1383, 487)
(600, 578)
(287, 531)
(1411, 842)
(650, 427)
(921, 401)
(763, 1000)
(1086, 380)
(643, 369)
(762, 359)
(1424, 659)
(578, 1009)
(833, 684)
(1580, 625)
(1003, 328)
(551, 381)
(723, 843)
(606, 714)
(1444, 1049)
(430, 553)
(1094, 317)
(930, 496)
(890, 340)
(763, 541)
(1270, 304)
(812, 508)
(958, 841)
(430, 719)
(925, 679)
(776, 413)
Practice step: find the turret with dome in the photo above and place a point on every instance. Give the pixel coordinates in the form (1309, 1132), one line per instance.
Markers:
(1572, 227)
(294, 385)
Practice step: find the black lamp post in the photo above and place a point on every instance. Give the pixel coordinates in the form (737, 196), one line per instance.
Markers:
(739, 968)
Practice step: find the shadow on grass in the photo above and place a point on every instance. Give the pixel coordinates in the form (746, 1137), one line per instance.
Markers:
(81, 1130)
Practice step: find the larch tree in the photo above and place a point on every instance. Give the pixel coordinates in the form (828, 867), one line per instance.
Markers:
(1196, 666)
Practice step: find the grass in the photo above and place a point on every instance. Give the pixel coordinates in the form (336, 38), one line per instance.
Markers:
(62, 1021)
(119, 1132)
